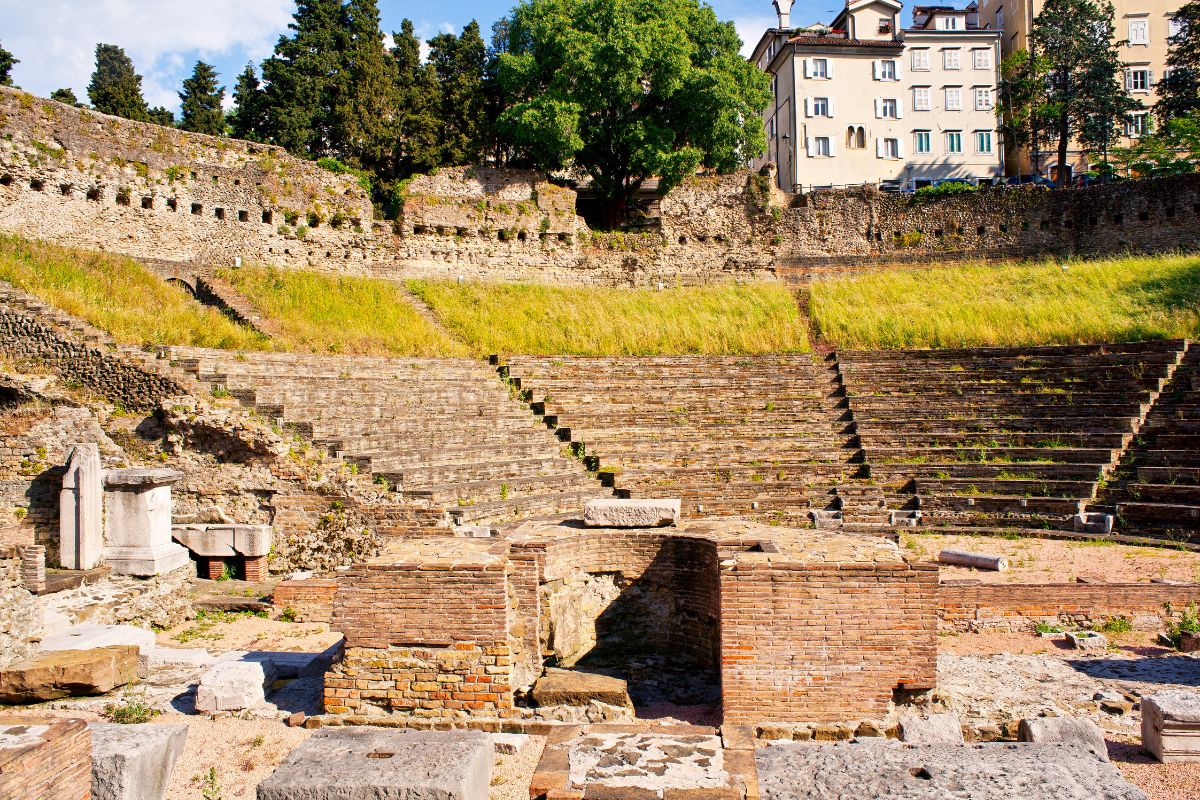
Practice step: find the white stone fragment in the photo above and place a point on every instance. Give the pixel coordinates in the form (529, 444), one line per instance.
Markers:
(631, 513)
(234, 685)
(1171, 725)
(1077, 730)
(934, 729)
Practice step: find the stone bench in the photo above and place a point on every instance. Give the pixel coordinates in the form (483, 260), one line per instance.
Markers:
(214, 545)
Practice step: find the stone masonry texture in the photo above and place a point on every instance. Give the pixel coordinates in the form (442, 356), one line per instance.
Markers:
(47, 759)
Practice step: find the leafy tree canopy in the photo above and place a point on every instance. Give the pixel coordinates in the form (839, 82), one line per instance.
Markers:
(65, 96)
(248, 118)
(201, 101)
(7, 62)
(629, 89)
(1179, 89)
(115, 87)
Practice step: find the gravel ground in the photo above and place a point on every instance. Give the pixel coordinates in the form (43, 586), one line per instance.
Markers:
(1158, 781)
(1054, 561)
(512, 774)
(242, 751)
(1133, 643)
(246, 632)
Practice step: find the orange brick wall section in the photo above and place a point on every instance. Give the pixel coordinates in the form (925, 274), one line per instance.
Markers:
(824, 644)
(57, 767)
(310, 600)
(961, 607)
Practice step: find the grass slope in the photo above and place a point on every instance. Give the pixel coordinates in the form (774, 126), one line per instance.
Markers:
(118, 295)
(322, 313)
(1125, 299)
(548, 320)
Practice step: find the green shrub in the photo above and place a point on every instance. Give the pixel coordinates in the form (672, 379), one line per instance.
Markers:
(1188, 622)
(944, 190)
(133, 709)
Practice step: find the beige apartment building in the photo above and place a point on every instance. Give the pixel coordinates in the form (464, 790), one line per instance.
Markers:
(1142, 30)
(864, 100)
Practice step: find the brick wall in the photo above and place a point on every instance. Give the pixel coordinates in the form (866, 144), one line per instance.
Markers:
(823, 644)
(310, 600)
(423, 639)
(998, 606)
(45, 759)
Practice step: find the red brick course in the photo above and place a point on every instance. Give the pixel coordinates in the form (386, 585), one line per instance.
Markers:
(962, 607)
(56, 765)
(310, 600)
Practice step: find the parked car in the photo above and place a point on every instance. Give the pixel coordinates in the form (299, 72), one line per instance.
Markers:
(1029, 180)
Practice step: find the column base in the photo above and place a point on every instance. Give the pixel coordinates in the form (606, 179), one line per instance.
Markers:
(146, 561)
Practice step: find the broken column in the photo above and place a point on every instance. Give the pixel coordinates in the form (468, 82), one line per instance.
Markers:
(81, 510)
(138, 523)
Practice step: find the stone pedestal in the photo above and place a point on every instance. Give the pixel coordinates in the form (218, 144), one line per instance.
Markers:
(81, 510)
(1171, 725)
(138, 524)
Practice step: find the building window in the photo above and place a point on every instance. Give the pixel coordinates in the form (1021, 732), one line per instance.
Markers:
(885, 24)
(1139, 31)
(1174, 26)
(887, 70)
(887, 109)
(921, 101)
(1139, 80)
(772, 128)
(952, 59)
(820, 107)
(983, 141)
(921, 142)
(1000, 18)
(949, 23)
(1137, 125)
(889, 148)
(821, 146)
(775, 87)
(920, 60)
(820, 68)
(954, 98)
(983, 98)
(953, 141)
(856, 137)
(982, 59)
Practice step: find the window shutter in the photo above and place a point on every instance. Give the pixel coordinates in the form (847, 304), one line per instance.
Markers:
(808, 106)
(807, 68)
(1128, 79)
(829, 68)
(875, 71)
(897, 63)
(879, 148)
(832, 146)
(899, 109)
(808, 146)
(1149, 78)
(878, 108)
(900, 148)
(831, 111)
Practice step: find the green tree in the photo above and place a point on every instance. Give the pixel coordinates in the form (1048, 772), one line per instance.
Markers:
(7, 62)
(115, 87)
(1174, 148)
(248, 119)
(1024, 114)
(364, 120)
(65, 96)
(201, 102)
(161, 116)
(417, 139)
(1083, 96)
(301, 79)
(458, 63)
(629, 89)
(1179, 89)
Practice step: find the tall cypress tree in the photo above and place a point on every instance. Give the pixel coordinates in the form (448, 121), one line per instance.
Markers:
(201, 101)
(458, 62)
(1179, 89)
(301, 79)
(364, 116)
(7, 62)
(115, 87)
(418, 127)
(248, 118)
(65, 96)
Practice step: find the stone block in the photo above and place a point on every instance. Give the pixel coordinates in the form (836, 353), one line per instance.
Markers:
(81, 510)
(68, 673)
(224, 541)
(89, 635)
(1093, 522)
(134, 762)
(1064, 729)
(44, 758)
(1087, 640)
(934, 729)
(372, 764)
(1171, 725)
(138, 522)
(560, 687)
(509, 743)
(631, 513)
(234, 685)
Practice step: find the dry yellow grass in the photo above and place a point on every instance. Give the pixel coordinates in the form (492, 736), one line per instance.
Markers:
(975, 305)
(549, 320)
(321, 313)
(120, 296)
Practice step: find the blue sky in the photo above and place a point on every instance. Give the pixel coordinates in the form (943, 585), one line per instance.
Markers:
(55, 39)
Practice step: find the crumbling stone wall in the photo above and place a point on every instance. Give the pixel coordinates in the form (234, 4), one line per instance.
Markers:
(20, 615)
(46, 758)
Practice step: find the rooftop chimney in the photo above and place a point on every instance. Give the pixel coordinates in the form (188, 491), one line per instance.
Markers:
(784, 9)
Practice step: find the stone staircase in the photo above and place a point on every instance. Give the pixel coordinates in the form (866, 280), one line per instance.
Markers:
(1001, 437)
(759, 436)
(441, 431)
(1156, 487)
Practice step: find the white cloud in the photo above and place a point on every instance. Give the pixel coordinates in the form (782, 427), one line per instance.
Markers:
(751, 30)
(56, 39)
